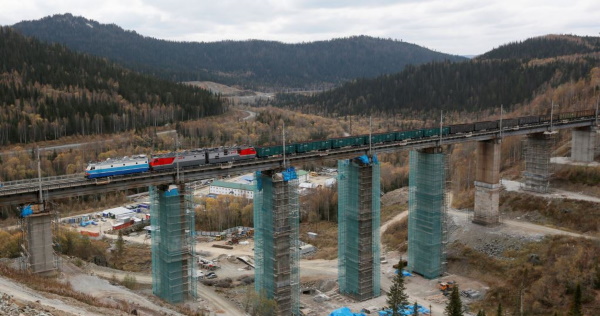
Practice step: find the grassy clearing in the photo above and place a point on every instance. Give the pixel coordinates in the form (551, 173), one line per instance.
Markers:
(389, 211)
(579, 175)
(326, 241)
(138, 258)
(578, 216)
(395, 237)
(547, 271)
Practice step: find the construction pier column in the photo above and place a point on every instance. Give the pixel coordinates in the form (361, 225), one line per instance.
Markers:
(37, 229)
(172, 231)
(358, 228)
(487, 183)
(538, 149)
(427, 212)
(276, 239)
(583, 143)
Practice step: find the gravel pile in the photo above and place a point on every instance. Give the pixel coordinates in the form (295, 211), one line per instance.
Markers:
(492, 241)
(9, 308)
(496, 245)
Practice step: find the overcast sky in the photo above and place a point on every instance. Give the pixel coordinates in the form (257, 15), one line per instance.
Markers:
(462, 27)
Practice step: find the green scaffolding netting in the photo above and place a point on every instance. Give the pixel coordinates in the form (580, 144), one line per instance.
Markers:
(426, 230)
(358, 228)
(172, 231)
(276, 240)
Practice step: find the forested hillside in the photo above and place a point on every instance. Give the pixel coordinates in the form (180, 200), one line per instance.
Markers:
(47, 91)
(475, 85)
(252, 63)
(545, 47)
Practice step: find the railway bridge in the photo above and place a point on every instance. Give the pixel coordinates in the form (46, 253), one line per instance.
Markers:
(276, 206)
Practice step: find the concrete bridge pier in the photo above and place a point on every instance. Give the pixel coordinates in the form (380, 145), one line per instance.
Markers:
(487, 183)
(584, 143)
(36, 247)
(358, 227)
(276, 238)
(427, 212)
(538, 149)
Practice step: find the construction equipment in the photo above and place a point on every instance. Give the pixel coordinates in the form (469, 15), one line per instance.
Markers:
(233, 241)
(446, 287)
(220, 237)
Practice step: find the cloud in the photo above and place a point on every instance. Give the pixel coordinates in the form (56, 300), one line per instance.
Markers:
(458, 26)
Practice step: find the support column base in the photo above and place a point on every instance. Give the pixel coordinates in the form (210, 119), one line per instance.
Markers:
(487, 201)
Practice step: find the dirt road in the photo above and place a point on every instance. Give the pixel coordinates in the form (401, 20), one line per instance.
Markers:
(515, 186)
(220, 305)
(527, 227)
(27, 295)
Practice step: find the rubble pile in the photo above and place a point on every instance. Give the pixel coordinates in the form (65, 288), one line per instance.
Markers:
(8, 307)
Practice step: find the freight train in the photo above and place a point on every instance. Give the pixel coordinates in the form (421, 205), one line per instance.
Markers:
(200, 157)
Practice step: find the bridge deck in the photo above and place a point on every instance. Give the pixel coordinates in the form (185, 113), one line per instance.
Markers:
(24, 191)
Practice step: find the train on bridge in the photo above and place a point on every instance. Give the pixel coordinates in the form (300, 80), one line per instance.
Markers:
(200, 157)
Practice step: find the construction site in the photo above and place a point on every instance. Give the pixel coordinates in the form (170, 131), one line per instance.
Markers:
(217, 272)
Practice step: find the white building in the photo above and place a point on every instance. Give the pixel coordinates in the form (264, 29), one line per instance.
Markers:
(118, 213)
(235, 189)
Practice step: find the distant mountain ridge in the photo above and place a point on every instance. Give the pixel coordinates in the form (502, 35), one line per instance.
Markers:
(252, 63)
(510, 75)
(48, 91)
(545, 47)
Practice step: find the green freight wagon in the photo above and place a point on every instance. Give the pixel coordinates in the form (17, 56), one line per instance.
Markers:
(429, 132)
(381, 138)
(313, 146)
(403, 135)
(348, 141)
(266, 151)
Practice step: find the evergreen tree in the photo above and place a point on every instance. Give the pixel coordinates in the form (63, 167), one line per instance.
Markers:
(397, 297)
(454, 307)
(119, 249)
(596, 281)
(499, 313)
(481, 313)
(415, 309)
(575, 309)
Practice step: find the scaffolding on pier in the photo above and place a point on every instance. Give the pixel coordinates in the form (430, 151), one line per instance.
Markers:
(358, 229)
(173, 264)
(276, 239)
(427, 232)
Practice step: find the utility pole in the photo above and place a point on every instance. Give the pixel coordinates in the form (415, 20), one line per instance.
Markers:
(177, 153)
(501, 111)
(370, 136)
(39, 167)
(283, 136)
(597, 101)
(441, 125)
(521, 301)
(551, 115)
